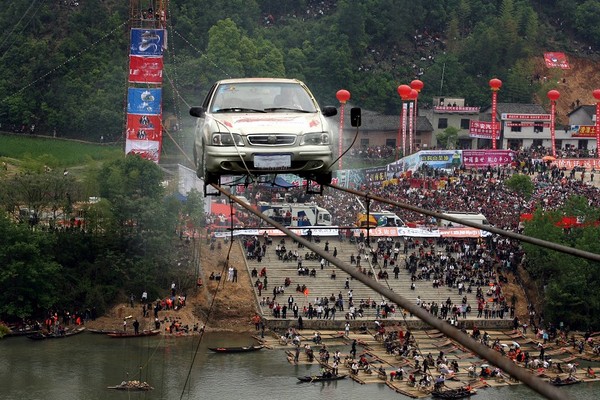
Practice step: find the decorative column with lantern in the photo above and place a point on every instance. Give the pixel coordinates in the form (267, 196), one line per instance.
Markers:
(412, 97)
(596, 94)
(343, 96)
(404, 92)
(416, 85)
(553, 95)
(495, 85)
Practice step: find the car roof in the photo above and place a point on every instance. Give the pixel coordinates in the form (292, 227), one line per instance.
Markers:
(266, 80)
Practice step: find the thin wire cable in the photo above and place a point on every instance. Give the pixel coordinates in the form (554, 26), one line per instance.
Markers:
(202, 54)
(347, 150)
(6, 37)
(236, 148)
(165, 130)
(68, 60)
(439, 216)
(532, 381)
(210, 310)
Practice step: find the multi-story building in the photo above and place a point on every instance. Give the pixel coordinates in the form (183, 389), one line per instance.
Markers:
(582, 129)
(450, 111)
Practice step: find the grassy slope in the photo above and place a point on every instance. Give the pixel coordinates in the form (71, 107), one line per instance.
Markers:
(64, 153)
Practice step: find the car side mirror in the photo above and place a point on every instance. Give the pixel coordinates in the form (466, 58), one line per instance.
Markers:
(197, 112)
(329, 111)
(355, 117)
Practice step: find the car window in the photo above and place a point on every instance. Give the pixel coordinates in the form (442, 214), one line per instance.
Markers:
(262, 95)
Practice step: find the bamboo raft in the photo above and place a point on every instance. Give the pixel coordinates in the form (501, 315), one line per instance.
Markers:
(430, 341)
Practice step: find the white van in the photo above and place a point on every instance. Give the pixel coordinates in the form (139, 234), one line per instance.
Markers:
(477, 218)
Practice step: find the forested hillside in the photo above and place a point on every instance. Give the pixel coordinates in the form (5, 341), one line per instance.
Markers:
(63, 64)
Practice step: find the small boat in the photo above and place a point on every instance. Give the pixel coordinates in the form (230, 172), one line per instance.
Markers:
(132, 334)
(132, 386)
(321, 378)
(52, 335)
(564, 382)
(244, 349)
(22, 332)
(102, 331)
(459, 393)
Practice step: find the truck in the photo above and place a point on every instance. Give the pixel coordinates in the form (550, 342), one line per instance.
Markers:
(478, 218)
(296, 214)
(379, 218)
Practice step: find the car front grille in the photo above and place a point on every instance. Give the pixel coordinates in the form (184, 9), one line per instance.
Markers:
(272, 140)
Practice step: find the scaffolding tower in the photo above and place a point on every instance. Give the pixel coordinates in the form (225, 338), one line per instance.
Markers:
(148, 14)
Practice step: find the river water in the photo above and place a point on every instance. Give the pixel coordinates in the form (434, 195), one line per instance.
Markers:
(82, 366)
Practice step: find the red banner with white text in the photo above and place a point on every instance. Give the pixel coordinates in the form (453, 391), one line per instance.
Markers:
(145, 69)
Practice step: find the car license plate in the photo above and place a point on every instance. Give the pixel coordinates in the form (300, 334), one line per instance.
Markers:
(273, 161)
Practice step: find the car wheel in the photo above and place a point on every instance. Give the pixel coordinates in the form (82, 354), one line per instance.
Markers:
(324, 178)
(199, 166)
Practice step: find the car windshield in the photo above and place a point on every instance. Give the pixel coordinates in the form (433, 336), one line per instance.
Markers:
(262, 96)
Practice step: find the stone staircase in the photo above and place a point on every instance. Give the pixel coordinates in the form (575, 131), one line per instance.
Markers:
(322, 285)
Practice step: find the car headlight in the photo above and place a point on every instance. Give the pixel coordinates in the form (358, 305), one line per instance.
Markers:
(317, 138)
(226, 139)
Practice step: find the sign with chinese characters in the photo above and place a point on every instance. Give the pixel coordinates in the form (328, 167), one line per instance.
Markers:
(586, 131)
(455, 109)
(527, 124)
(482, 129)
(483, 158)
(145, 69)
(526, 117)
(570, 163)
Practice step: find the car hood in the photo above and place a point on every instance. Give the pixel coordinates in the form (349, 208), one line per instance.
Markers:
(271, 123)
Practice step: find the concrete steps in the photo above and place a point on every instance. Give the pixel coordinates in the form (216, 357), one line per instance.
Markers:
(324, 286)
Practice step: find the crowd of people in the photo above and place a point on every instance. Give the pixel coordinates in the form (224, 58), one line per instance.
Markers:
(463, 189)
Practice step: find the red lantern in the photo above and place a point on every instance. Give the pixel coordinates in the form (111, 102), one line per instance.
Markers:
(596, 94)
(343, 95)
(553, 95)
(495, 84)
(404, 91)
(413, 94)
(417, 85)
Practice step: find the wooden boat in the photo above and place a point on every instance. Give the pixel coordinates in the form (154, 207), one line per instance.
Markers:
(123, 335)
(321, 378)
(132, 386)
(564, 382)
(460, 393)
(44, 336)
(244, 349)
(22, 332)
(102, 331)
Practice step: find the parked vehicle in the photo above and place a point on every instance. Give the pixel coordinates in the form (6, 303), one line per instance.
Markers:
(257, 126)
(477, 218)
(379, 218)
(296, 214)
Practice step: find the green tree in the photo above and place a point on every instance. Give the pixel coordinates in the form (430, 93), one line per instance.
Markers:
(586, 17)
(29, 276)
(566, 282)
(521, 184)
(448, 138)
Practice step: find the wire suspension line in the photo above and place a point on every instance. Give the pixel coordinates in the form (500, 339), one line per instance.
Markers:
(485, 352)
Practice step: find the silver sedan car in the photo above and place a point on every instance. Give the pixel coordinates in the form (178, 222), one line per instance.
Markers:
(258, 126)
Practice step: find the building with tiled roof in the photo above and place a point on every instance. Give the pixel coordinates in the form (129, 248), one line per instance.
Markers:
(383, 130)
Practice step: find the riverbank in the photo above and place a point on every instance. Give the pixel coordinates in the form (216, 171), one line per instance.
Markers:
(231, 310)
